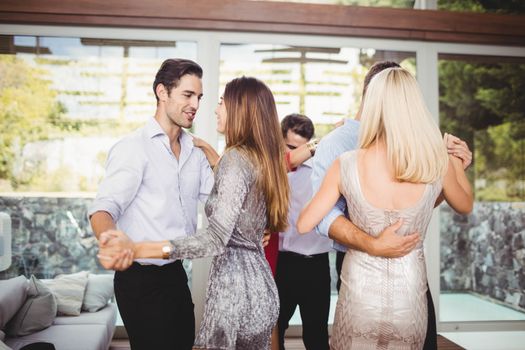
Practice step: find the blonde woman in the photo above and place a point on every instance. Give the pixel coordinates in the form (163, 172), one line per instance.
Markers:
(250, 194)
(397, 173)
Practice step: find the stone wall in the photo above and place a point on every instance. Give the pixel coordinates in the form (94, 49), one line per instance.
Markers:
(485, 252)
(51, 236)
(482, 253)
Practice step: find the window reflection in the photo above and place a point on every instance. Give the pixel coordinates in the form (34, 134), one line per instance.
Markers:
(482, 255)
(63, 103)
(323, 83)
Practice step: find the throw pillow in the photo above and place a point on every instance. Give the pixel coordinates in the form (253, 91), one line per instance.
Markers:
(69, 292)
(99, 291)
(37, 313)
(3, 346)
(13, 294)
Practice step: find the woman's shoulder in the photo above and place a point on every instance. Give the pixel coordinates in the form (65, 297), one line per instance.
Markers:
(236, 158)
(235, 155)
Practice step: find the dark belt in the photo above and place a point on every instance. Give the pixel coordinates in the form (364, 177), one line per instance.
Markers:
(302, 256)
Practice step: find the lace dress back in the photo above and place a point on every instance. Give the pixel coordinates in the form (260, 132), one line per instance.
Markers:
(382, 302)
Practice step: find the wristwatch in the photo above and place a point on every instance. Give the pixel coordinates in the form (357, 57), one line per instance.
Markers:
(166, 251)
(312, 146)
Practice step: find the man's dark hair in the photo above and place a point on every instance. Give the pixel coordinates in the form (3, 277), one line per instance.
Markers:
(299, 124)
(376, 68)
(172, 70)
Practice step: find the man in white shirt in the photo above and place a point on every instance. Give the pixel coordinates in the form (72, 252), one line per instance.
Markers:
(303, 269)
(154, 180)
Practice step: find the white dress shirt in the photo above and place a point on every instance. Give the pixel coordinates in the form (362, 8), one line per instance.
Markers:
(150, 194)
(301, 192)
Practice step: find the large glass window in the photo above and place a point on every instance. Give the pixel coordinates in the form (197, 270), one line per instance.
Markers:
(483, 254)
(324, 83)
(498, 6)
(63, 103)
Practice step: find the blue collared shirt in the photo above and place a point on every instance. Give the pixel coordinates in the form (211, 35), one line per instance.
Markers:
(337, 142)
(150, 194)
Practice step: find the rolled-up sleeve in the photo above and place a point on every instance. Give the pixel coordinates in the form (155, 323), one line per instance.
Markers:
(324, 157)
(339, 141)
(124, 171)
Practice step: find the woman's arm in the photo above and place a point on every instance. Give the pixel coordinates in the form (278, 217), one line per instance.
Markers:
(323, 201)
(456, 187)
(235, 177)
(209, 151)
(459, 149)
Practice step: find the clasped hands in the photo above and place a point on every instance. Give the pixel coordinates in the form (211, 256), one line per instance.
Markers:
(116, 250)
(458, 148)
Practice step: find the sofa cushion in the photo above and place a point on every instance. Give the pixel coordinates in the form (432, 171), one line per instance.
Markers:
(69, 291)
(99, 291)
(13, 294)
(66, 337)
(106, 317)
(38, 311)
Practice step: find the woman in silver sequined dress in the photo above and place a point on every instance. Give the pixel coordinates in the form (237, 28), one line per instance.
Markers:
(398, 173)
(250, 195)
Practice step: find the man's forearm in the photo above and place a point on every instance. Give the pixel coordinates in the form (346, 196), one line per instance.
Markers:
(101, 221)
(346, 233)
(388, 244)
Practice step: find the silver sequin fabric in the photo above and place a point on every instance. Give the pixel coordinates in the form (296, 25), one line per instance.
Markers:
(242, 303)
(382, 302)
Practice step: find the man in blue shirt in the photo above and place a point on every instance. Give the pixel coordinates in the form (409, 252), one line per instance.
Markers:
(335, 225)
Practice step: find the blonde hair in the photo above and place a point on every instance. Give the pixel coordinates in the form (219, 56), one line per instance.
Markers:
(253, 127)
(394, 112)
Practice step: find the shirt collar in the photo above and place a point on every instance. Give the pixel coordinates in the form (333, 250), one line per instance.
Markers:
(307, 163)
(153, 129)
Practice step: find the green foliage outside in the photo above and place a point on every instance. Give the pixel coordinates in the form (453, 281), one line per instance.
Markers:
(30, 112)
(498, 6)
(483, 103)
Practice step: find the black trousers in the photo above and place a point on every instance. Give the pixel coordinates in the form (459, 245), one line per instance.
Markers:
(431, 338)
(304, 282)
(156, 306)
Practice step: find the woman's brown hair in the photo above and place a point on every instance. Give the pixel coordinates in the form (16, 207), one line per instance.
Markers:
(252, 125)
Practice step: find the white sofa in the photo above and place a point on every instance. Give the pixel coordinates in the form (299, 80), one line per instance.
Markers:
(87, 331)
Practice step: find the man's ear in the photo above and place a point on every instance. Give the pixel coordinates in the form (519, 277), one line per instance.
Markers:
(162, 92)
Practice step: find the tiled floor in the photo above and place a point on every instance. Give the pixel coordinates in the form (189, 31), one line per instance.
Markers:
(488, 340)
(469, 307)
(455, 307)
